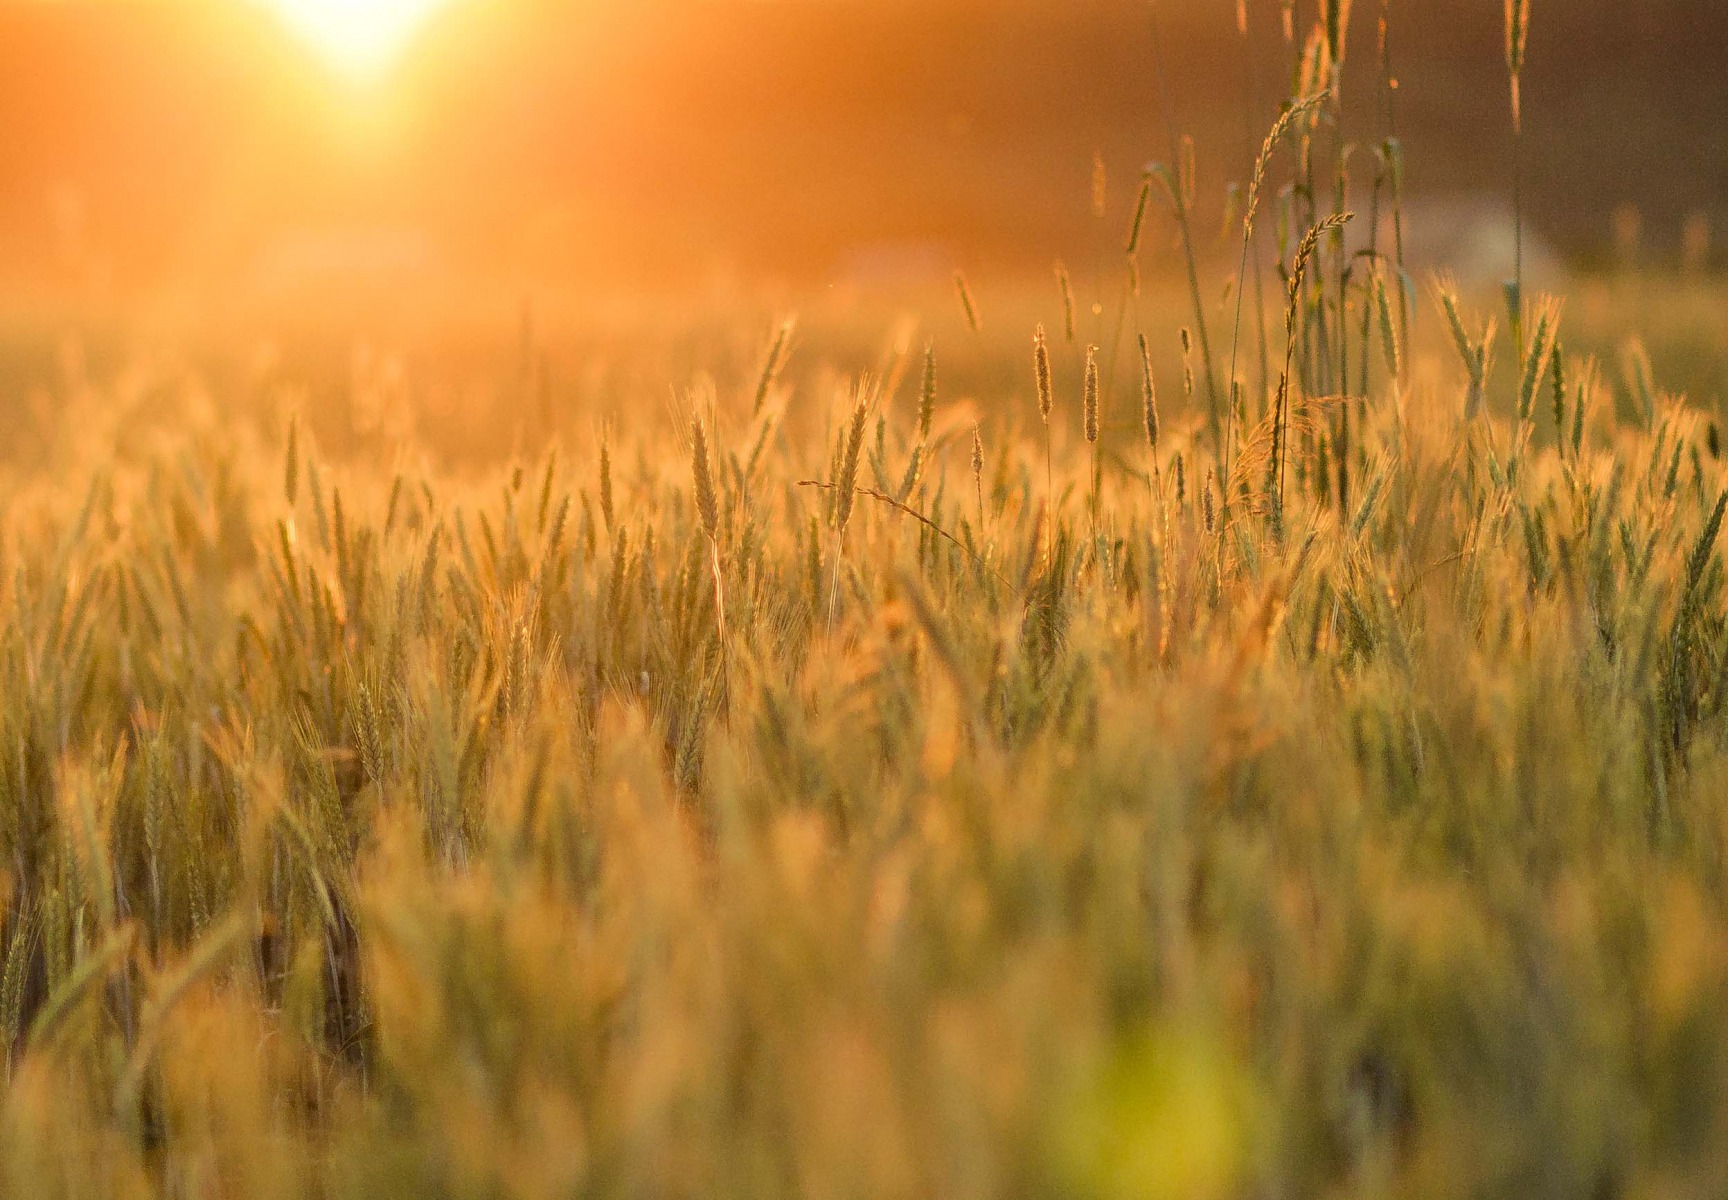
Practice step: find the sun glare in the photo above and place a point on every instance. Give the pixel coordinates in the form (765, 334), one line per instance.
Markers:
(360, 38)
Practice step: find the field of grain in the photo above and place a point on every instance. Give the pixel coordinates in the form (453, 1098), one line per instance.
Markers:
(1117, 737)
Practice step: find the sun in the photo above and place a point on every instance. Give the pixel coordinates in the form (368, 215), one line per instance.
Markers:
(360, 38)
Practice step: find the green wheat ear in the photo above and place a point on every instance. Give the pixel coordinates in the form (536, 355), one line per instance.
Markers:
(1536, 358)
(707, 506)
(849, 462)
(607, 510)
(927, 393)
(1557, 373)
(773, 364)
(1390, 347)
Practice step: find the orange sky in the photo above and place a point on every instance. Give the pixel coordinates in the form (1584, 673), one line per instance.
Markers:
(186, 141)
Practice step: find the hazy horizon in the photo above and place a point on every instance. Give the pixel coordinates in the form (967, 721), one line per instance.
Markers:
(185, 144)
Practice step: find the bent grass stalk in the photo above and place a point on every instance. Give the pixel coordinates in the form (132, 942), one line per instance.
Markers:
(1262, 163)
(1181, 191)
(1280, 430)
(1517, 38)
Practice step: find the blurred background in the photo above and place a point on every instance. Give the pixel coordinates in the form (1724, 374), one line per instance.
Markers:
(477, 198)
(256, 148)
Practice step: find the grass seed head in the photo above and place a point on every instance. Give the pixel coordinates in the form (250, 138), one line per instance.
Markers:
(1148, 396)
(1089, 408)
(1287, 120)
(1041, 369)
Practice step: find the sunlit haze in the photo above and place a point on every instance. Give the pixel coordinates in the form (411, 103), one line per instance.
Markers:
(360, 38)
(287, 147)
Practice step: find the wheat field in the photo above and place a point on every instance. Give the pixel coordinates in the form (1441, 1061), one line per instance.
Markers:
(1254, 741)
